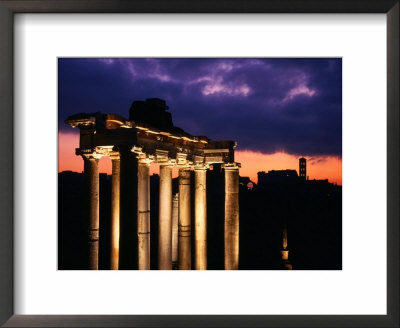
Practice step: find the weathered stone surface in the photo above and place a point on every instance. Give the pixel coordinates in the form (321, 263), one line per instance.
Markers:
(184, 228)
(150, 136)
(175, 219)
(143, 226)
(200, 219)
(165, 219)
(149, 128)
(115, 190)
(231, 217)
(91, 172)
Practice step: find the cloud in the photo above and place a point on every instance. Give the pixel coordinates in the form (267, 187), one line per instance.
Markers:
(219, 88)
(293, 105)
(107, 61)
(300, 90)
(317, 160)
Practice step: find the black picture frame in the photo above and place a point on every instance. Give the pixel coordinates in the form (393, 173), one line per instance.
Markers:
(10, 7)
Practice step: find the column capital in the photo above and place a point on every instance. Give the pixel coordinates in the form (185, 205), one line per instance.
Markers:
(88, 153)
(201, 166)
(162, 157)
(107, 151)
(142, 156)
(111, 152)
(137, 150)
(184, 168)
(115, 156)
(167, 163)
(231, 166)
(145, 160)
(182, 160)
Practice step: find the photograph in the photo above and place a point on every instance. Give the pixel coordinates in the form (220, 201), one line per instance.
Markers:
(199, 163)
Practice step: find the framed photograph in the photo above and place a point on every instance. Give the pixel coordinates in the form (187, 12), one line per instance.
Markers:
(216, 164)
(185, 180)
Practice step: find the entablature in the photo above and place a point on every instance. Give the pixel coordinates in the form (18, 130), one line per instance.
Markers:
(101, 133)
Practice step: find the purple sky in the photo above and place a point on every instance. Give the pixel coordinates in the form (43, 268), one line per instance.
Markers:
(266, 105)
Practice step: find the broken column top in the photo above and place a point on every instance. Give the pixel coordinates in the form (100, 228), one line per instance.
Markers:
(152, 112)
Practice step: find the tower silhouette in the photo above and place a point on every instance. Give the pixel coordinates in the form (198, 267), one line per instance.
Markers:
(302, 167)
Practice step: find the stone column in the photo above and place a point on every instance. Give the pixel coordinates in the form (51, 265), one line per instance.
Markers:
(91, 172)
(143, 226)
(115, 188)
(175, 219)
(200, 219)
(231, 217)
(184, 227)
(165, 217)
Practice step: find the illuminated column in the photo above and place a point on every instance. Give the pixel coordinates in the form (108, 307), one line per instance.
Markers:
(115, 185)
(164, 223)
(175, 215)
(231, 217)
(91, 172)
(200, 219)
(184, 228)
(143, 224)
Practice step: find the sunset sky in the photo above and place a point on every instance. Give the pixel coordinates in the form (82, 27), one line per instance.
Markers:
(276, 109)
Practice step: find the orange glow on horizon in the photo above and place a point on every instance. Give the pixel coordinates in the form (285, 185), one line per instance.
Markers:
(318, 167)
(67, 160)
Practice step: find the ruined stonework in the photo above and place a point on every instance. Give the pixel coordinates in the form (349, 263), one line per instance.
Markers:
(149, 136)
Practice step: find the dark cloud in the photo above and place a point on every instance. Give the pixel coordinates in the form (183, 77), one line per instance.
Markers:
(266, 105)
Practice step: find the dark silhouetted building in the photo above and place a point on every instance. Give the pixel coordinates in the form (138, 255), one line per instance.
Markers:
(277, 176)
